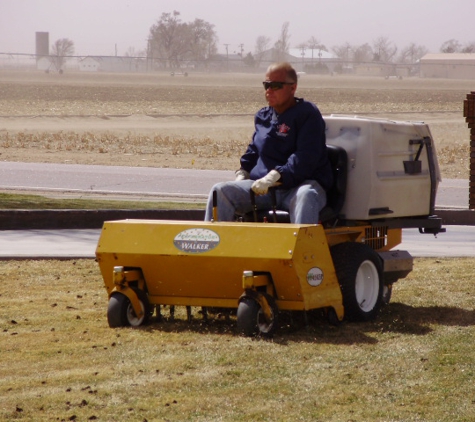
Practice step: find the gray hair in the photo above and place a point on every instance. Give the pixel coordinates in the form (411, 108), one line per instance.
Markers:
(290, 72)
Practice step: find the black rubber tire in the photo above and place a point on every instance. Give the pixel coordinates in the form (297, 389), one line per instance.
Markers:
(120, 312)
(117, 310)
(359, 272)
(250, 318)
(387, 293)
(332, 317)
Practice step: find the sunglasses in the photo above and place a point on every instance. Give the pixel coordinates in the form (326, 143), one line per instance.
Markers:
(274, 86)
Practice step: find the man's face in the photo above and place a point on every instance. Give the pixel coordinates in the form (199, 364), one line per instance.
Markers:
(283, 98)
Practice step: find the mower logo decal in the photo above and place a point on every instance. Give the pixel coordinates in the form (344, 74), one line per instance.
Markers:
(196, 240)
(315, 276)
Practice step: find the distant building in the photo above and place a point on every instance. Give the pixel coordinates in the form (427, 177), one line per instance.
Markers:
(310, 55)
(448, 65)
(384, 70)
(303, 60)
(112, 64)
(89, 64)
(226, 62)
(264, 59)
(314, 60)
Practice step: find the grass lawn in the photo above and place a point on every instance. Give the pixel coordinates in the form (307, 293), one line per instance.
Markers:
(61, 361)
(20, 201)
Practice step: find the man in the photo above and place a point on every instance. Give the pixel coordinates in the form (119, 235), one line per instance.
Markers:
(287, 150)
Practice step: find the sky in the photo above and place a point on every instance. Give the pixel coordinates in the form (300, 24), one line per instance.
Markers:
(110, 27)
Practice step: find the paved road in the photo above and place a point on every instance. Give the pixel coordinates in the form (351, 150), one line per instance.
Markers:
(146, 182)
(110, 180)
(173, 183)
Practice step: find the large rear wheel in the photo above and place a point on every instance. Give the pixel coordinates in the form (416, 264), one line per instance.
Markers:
(359, 272)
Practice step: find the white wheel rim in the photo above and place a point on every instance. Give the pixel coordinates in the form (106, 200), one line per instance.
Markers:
(262, 324)
(367, 286)
(132, 318)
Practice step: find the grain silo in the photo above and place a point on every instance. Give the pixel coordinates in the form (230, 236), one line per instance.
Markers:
(42, 44)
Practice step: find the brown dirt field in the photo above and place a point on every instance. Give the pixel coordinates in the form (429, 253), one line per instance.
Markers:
(202, 121)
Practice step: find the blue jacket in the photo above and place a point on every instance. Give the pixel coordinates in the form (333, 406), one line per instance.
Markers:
(292, 143)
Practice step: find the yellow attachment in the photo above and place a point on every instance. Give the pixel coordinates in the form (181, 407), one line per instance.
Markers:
(119, 276)
(193, 263)
(121, 279)
(251, 281)
(265, 308)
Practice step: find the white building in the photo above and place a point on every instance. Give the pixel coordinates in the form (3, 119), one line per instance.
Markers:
(89, 64)
(448, 65)
(112, 64)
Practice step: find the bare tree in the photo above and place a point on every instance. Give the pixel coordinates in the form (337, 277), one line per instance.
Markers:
(60, 51)
(173, 42)
(282, 44)
(383, 49)
(203, 40)
(468, 48)
(412, 53)
(363, 53)
(450, 46)
(166, 39)
(343, 51)
(262, 45)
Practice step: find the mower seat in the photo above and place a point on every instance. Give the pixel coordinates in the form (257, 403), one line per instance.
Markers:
(335, 194)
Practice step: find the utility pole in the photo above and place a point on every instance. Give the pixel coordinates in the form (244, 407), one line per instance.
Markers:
(469, 114)
(302, 53)
(227, 57)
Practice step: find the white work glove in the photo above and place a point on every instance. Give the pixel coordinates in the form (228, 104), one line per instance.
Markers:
(261, 186)
(241, 175)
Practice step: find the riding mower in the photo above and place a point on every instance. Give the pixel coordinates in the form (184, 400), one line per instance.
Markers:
(385, 179)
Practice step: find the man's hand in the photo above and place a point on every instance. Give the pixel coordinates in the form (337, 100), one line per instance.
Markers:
(241, 175)
(261, 186)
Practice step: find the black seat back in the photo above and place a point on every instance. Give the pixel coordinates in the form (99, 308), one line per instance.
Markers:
(337, 192)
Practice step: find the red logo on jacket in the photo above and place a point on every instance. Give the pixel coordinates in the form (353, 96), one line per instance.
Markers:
(283, 129)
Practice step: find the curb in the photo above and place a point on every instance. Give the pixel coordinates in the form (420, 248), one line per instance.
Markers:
(85, 219)
(456, 217)
(94, 219)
